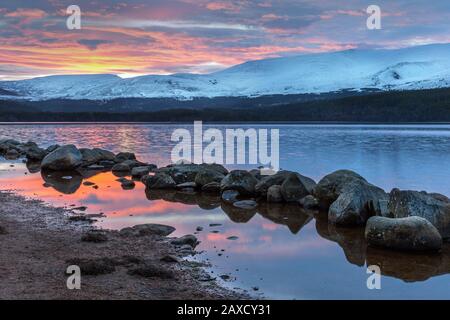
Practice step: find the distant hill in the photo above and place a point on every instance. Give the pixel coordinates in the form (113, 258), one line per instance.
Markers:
(413, 68)
(382, 107)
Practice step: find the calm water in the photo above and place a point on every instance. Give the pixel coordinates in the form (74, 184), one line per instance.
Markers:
(284, 252)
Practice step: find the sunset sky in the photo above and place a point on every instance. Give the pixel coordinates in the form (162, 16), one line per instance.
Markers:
(138, 37)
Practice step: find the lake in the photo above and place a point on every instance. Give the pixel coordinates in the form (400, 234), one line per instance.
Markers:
(281, 251)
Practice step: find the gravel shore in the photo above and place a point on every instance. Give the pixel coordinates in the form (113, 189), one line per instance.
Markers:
(39, 242)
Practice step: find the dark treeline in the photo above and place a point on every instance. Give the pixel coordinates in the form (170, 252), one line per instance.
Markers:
(386, 107)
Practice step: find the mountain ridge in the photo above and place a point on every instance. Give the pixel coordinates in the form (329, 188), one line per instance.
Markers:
(413, 68)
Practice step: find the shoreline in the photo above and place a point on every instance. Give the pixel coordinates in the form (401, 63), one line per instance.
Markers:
(38, 242)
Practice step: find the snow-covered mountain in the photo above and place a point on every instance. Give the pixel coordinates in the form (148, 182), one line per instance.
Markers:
(422, 67)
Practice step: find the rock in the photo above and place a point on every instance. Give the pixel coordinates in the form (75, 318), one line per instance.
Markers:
(134, 164)
(189, 239)
(127, 184)
(212, 187)
(239, 180)
(95, 167)
(182, 173)
(245, 204)
(256, 173)
(64, 158)
(92, 156)
(233, 238)
(309, 202)
(12, 154)
(199, 229)
(274, 194)
(94, 267)
(293, 189)
(52, 148)
(433, 207)
(187, 185)
(148, 230)
(330, 187)
(120, 167)
(35, 153)
(88, 183)
(94, 236)
(411, 234)
(277, 179)
(123, 156)
(230, 196)
(171, 259)
(139, 172)
(357, 202)
(149, 270)
(214, 167)
(3, 230)
(159, 181)
(207, 176)
(107, 163)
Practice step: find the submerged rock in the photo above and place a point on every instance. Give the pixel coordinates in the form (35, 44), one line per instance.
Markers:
(159, 181)
(64, 158)
(207, 176)
(293, 189)
(123, 156)
(274, 194)
(212, 187)
(309, 202)
(266, 182)
(139, 172)
(148, 230)
(412, 234)
(433, 207)
(239, 180)
(189, 239)
(230, 196)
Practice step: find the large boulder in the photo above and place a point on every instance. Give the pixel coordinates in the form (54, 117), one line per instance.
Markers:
(239, 180)
(207, 176)
(410, 234)
(293, 188)
(330, 187)
(358, 201)
(433, 207)
(64, 158)
(159, 181)
(277, 179)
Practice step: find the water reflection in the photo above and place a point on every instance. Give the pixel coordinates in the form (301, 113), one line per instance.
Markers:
(403, 266)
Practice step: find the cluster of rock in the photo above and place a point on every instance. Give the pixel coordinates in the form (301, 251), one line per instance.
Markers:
(404, 220)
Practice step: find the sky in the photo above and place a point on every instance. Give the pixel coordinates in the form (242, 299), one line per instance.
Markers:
(132, 38)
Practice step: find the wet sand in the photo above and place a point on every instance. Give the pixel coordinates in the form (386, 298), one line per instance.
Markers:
(38, 242)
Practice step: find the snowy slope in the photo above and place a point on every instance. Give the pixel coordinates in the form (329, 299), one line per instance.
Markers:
(421, 67)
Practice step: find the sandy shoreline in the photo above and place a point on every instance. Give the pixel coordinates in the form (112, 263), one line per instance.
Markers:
(39, 241)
